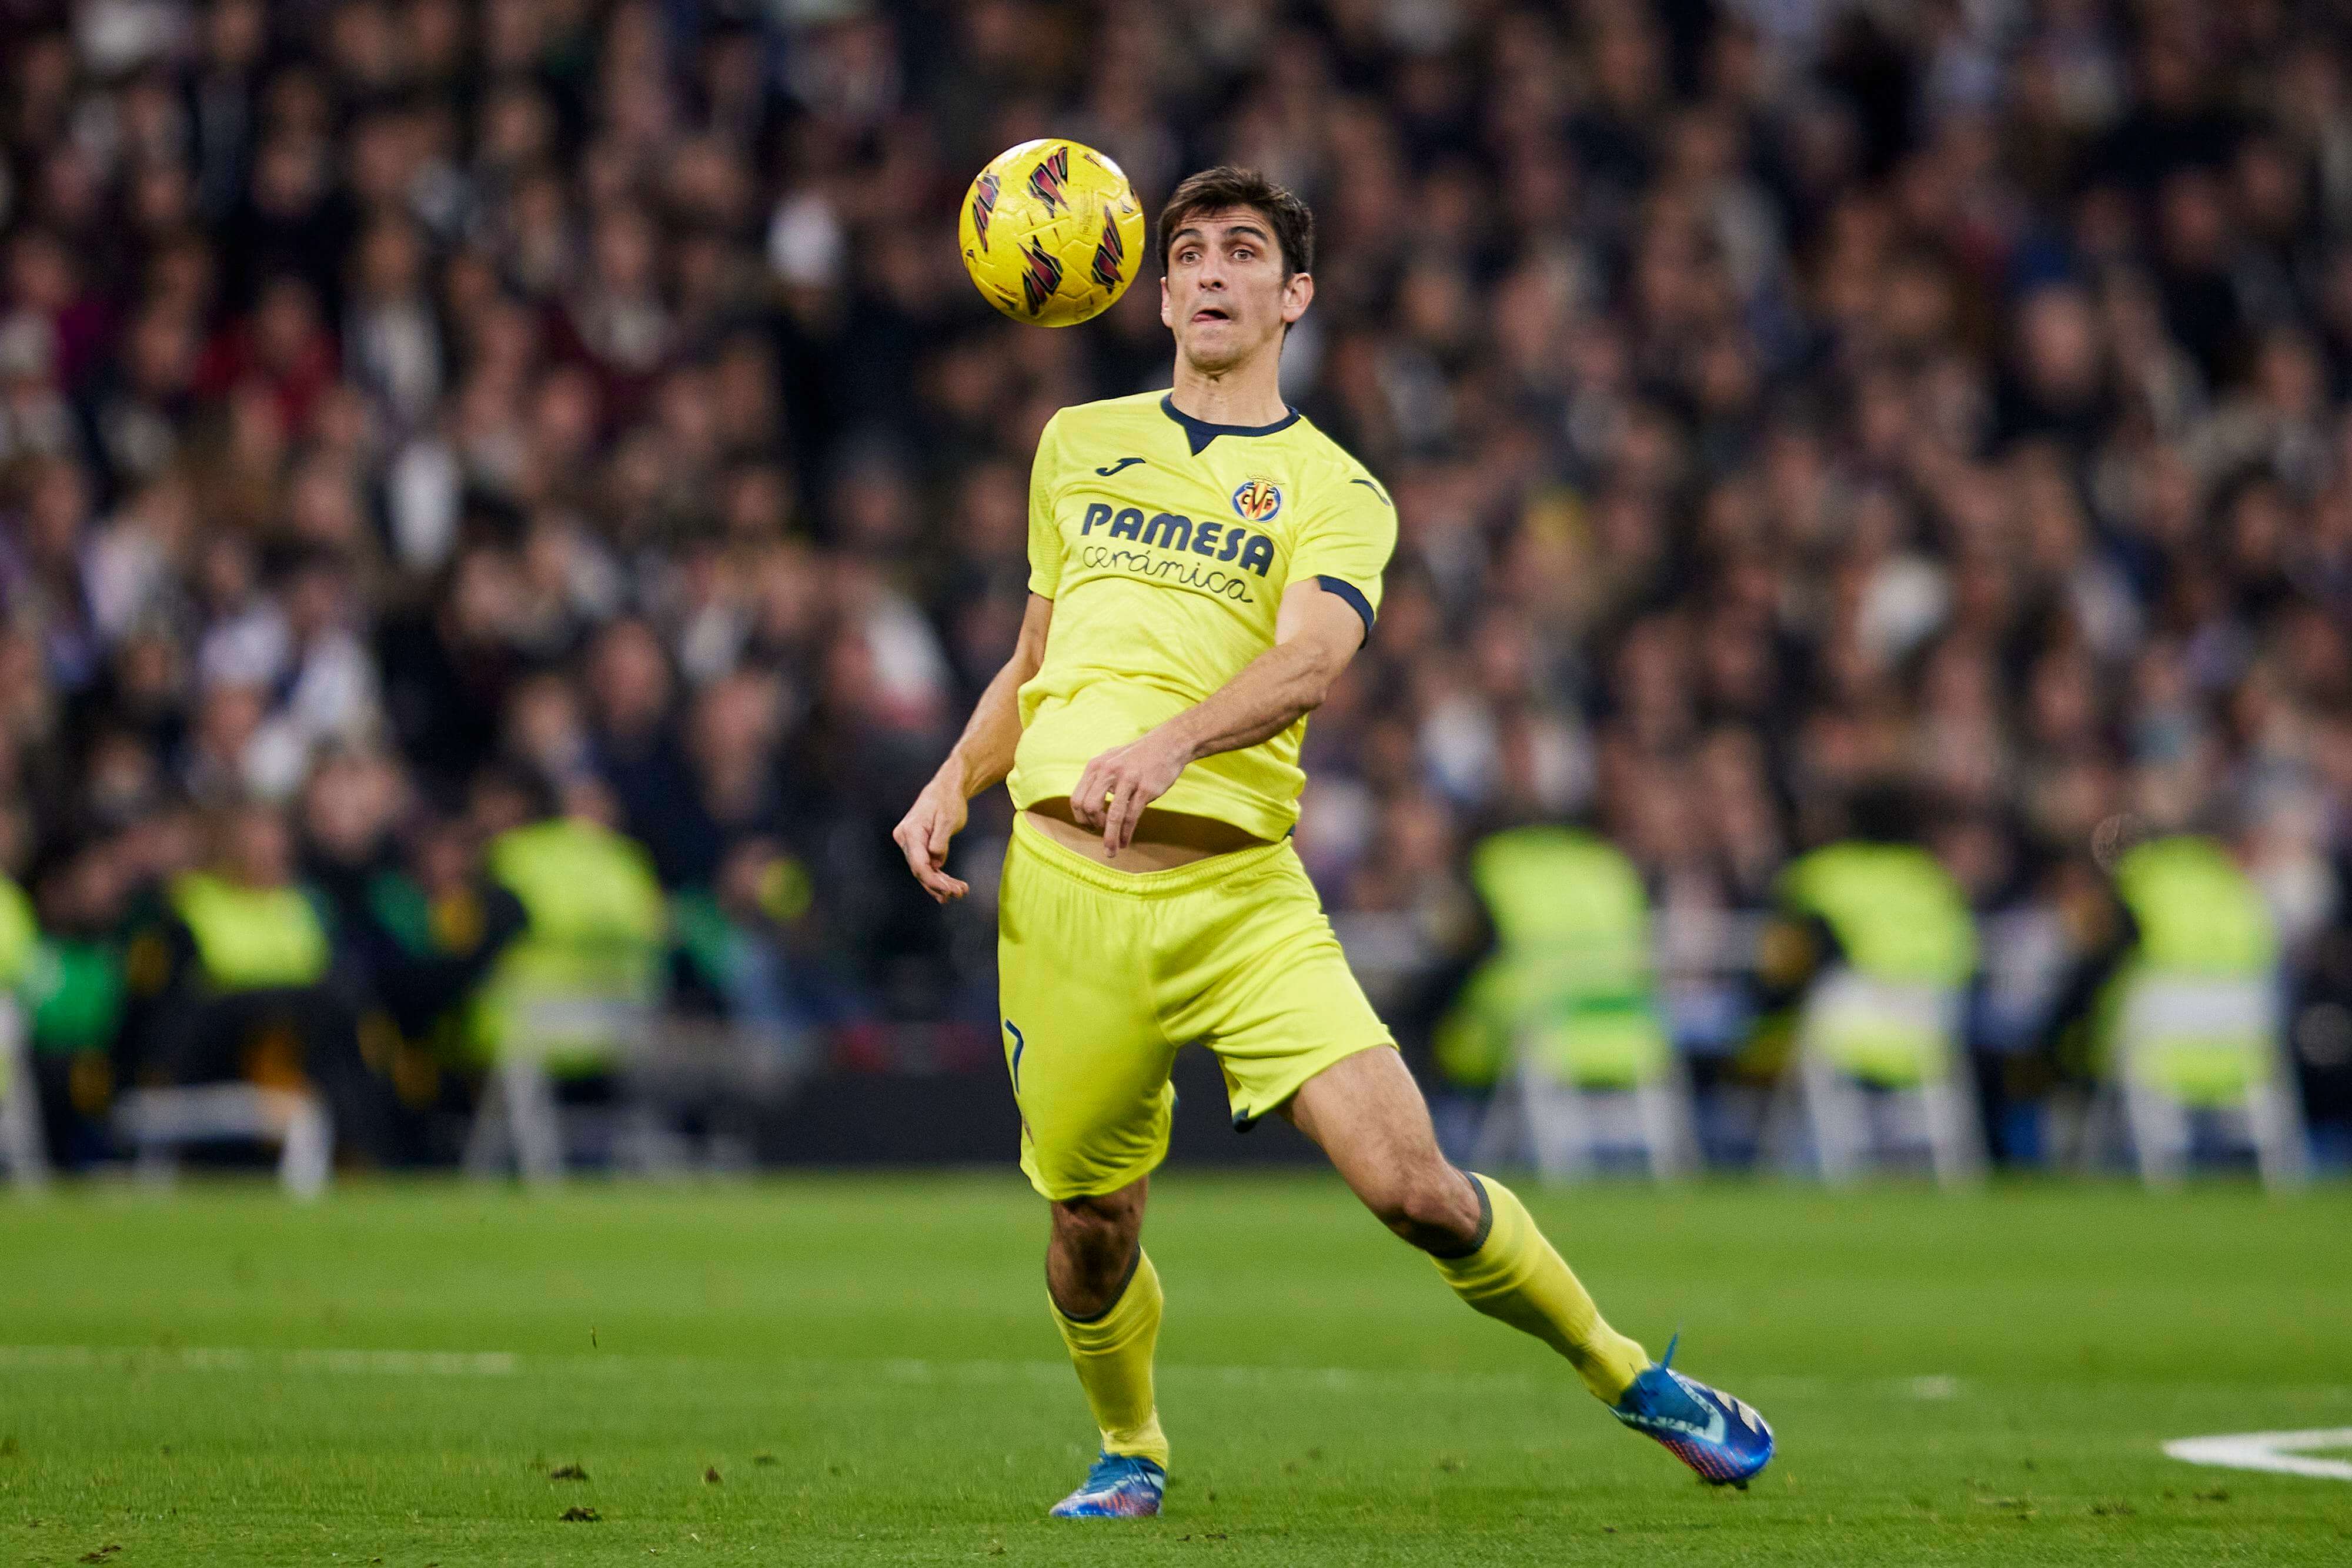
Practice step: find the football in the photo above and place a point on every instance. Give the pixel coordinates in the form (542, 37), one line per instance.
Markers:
(1052, 232)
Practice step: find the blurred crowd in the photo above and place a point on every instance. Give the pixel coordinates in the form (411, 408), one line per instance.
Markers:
(405, 402)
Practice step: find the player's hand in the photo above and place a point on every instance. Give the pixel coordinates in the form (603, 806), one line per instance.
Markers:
(1116, 786)
(922, 835)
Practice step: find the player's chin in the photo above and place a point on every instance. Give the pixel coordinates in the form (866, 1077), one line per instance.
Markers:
(1213, 344)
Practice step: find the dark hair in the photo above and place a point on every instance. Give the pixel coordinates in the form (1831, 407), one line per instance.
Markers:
(1883, 811)
(1213, 190)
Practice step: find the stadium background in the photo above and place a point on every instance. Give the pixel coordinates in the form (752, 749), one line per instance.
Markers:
(415, 413)
(409, 408)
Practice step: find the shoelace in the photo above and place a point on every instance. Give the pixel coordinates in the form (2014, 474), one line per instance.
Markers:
(1109, 1470)
(1690, 1407)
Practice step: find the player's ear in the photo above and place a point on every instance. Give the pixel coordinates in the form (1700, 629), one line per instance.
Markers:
(1297, 296)
(1166, 317)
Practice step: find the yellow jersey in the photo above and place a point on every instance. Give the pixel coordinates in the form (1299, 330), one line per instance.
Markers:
(1166, 543)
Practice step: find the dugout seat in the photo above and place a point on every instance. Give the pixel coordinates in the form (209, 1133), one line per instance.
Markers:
(574, 995)
(1561, 1017)
(2199, 1054)
(21, 1148)
(1584, 1083)
(159, 1122)
(1879, 1069)
(520, 1123)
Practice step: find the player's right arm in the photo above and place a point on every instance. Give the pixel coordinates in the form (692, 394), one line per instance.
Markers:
(981, 757)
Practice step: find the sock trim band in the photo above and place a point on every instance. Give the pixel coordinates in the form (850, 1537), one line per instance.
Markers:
(1485, 1220)
(1117, 1296)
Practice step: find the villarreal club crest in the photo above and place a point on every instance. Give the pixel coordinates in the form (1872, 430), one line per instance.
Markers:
(1051, 233)
(1257, 499)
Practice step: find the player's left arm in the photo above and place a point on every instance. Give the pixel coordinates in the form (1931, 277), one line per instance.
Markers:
(1317, 632)
(1325, 616)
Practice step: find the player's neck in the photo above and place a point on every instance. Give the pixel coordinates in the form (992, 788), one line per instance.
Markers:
(1247, 394)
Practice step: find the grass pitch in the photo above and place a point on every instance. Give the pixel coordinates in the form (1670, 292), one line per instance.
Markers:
(858, 1369)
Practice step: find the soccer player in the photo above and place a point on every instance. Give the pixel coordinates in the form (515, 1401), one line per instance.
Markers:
(1203, 564)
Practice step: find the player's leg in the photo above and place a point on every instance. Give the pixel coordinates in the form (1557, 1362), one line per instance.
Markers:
(1089, 1072)
(1294, 1033)
(1276, 1001)
(1106, 1303)
(1368, 1116)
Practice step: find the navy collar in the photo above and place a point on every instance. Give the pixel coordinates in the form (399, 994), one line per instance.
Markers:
(1200, 432)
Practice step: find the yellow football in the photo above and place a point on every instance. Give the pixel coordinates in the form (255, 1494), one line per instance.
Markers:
(1052, 232)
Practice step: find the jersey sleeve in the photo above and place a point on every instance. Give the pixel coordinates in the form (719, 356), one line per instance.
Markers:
(1347, 546)
(1045, 536)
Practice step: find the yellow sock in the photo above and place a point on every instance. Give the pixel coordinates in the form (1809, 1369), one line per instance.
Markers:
(1514, 1275)
(1112, 1352)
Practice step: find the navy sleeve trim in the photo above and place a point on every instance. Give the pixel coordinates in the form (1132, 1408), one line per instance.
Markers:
(1353, 595)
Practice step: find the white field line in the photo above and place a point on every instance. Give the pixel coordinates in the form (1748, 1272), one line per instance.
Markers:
(503, 1363)
(393, 1363)
(2271, 1451)
(2276, 1452)
(1542, 1378)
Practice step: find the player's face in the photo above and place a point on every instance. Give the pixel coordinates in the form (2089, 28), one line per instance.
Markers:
(1227, 296)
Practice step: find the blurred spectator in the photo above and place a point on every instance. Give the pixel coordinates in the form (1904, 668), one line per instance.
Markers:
(248, 986)
(74, 997)
(1776, 398)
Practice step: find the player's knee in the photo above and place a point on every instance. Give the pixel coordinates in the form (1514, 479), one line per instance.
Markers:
(1097, 1232)
(1431, 1209)
(1095, 1248)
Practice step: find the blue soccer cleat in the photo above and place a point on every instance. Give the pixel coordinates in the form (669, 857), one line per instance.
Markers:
(1713, 1433)
(1119, 1486)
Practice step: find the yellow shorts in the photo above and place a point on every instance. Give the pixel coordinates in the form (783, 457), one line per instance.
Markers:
(1102, 973)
